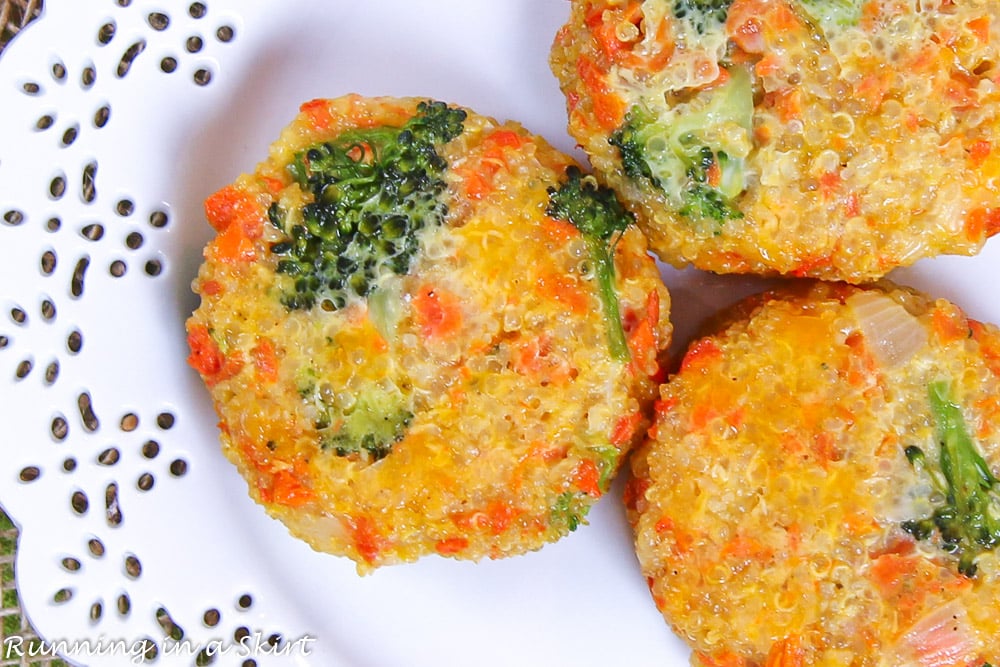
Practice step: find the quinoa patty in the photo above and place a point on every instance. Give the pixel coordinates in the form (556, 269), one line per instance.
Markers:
(835, 139)
(414, 342)
(819, 486)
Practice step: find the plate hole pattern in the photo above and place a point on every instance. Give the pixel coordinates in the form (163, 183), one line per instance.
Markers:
(96, 548)
(59, 428)
(87, 414)
(106, 33)
(170, 627)
(113, 510)
(129, 57)
(79, 502)
(48, 262)
(135, 449)
(133, 568)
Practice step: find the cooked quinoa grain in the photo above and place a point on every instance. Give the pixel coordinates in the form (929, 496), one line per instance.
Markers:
(818, 138)
(819, 486)
(407, 337)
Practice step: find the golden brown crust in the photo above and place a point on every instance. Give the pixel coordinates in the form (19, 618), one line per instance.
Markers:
(769, 501)
(872, 141)
(495, 341)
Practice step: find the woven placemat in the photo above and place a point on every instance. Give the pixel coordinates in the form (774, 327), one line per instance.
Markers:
(19, 643)
(14, 15)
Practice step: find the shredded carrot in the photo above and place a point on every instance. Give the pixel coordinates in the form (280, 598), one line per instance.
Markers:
(288, 489)
(852, 205)
(700, 354)
(625, 428)
(810, 264)
(487, 161)
(273, 185)
(609, 109)
(318, 112)
(367, 539)
(475, 182)
(949, 324)
(559, 231)
(239, 219)
(500, 515)
(745, 547)
(205, 355)
(701, 415)
(438, 312)
(587, 477)
(724, 659)
(980, 27)
(786, 652)
(872, 91)
(683, 540)
(535, 357)
(744, 24)
(642, 345)
(208, 359)
(979, 151)
(563, 289)
(266, 361)
(505, 138)
(451, 546)
(770, 64)
(211, 288)
(497, 517)
(982, 222)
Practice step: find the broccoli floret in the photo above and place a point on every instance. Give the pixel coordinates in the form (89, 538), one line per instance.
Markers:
(695, 152)
(376, 422)
(367, 428)
(569, 511)
(373, 191)
(832, 15)
(968, 521)
(601, 218)
(703, 16)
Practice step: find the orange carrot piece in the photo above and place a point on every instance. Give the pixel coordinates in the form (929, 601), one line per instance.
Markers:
(451, 546)
(367, 540)
(437, 312)
(787, 652)
(205, 356)
(288, 489)
(982, 222)
(625, 429)
(980, 27)
(239, 219)
(587, 478)
(724, 659)
(266, 361)
(564, 290)
(559, 231)
(949, 325)
(318, 112)
(609, 109)
(700, 354)
(211, 288)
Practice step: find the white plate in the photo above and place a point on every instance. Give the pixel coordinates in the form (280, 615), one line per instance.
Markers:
(203, 549)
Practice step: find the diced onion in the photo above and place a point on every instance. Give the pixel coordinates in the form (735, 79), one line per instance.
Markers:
(942, 637)
(385, 308)
(894, 335)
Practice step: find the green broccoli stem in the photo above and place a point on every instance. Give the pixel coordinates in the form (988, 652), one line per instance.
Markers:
(602, 255)
(969, 521)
